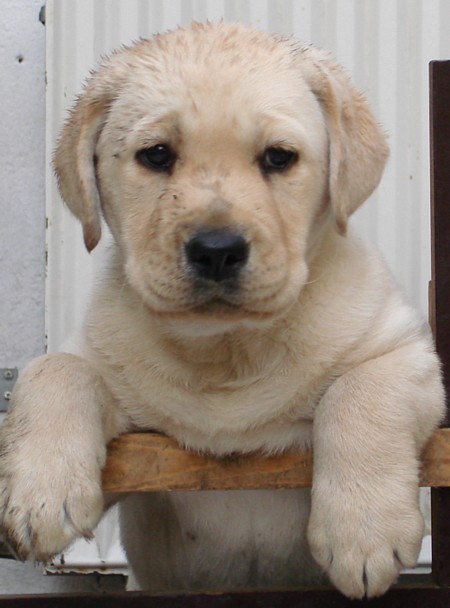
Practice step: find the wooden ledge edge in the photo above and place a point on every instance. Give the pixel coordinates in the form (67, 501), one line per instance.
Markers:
(148, 462)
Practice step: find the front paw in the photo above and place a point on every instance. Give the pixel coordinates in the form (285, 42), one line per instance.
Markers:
(363, 539)
(46, 505)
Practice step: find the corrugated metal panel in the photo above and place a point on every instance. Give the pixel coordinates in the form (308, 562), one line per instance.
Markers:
(385, 44)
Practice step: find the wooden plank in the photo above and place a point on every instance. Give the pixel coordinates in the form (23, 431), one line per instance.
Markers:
(440, 285)
(436, 461)
(397, 597)
(147, 462)
(440, 208)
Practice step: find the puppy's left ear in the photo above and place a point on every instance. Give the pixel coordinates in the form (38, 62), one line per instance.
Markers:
(357, 145)
(74, 158)
(75, 167)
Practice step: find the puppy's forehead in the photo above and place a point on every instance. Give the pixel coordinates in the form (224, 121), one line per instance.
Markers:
(206, 67)
(217, 46)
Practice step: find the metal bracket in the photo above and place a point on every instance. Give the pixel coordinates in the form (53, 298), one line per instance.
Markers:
(8, 377)
(42, 15)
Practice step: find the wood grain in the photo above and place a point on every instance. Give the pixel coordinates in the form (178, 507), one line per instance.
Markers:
(398, 597)
(436, 461)
(440, 288)
(148, 462)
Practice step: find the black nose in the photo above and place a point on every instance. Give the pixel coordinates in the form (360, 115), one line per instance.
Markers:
(217, 254)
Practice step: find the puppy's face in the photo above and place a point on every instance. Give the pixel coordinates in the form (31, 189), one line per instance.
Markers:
(214, 170)
(211, 179)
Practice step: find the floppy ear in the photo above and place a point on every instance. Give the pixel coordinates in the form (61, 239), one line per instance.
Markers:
(357, 145)
(74, 159)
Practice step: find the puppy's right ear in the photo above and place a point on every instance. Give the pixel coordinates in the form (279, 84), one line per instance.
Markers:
(74, 159)
(357, 145)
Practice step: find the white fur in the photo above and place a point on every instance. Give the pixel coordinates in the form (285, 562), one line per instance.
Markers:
(316, 346)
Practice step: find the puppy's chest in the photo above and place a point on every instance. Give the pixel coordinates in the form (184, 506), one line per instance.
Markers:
(210, 410)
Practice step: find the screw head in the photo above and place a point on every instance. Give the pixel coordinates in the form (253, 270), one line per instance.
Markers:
(8, 374)
(7, 395)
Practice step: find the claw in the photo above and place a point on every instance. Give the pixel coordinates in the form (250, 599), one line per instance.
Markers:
(365, 581)
(30, 534)
(398, 560)
(14, 550)
(88, 535)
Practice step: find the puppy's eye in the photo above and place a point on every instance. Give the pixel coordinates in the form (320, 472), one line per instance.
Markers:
(158, 158)
(277, 160)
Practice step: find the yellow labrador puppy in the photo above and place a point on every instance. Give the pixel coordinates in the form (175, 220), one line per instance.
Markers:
(237, 313)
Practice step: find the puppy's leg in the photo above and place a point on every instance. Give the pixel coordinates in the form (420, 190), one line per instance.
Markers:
(369, 430)
(52, 450)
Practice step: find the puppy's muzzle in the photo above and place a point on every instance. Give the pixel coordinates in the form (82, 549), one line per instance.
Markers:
(217, 255)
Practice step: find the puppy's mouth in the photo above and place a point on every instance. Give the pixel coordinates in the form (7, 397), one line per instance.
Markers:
(226, 302)
(218, 310)
(227, 293)
(217, 305)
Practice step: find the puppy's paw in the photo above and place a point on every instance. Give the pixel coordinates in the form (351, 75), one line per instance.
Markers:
(362, 544)
(52, 450)
(45, 506)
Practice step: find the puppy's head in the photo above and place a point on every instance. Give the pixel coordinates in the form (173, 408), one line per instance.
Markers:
(216, 155)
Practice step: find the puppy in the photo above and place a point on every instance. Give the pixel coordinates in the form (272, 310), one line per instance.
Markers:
(236, 313)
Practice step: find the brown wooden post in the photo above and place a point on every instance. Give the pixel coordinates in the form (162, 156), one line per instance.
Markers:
(440, 285)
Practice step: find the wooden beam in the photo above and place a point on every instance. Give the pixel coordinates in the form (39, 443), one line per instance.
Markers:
(397, 597)
(147, 462)
(435, 471)
(440, 287)
(440, 213)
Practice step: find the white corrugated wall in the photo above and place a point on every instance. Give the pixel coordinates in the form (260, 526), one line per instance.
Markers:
(385, 44)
